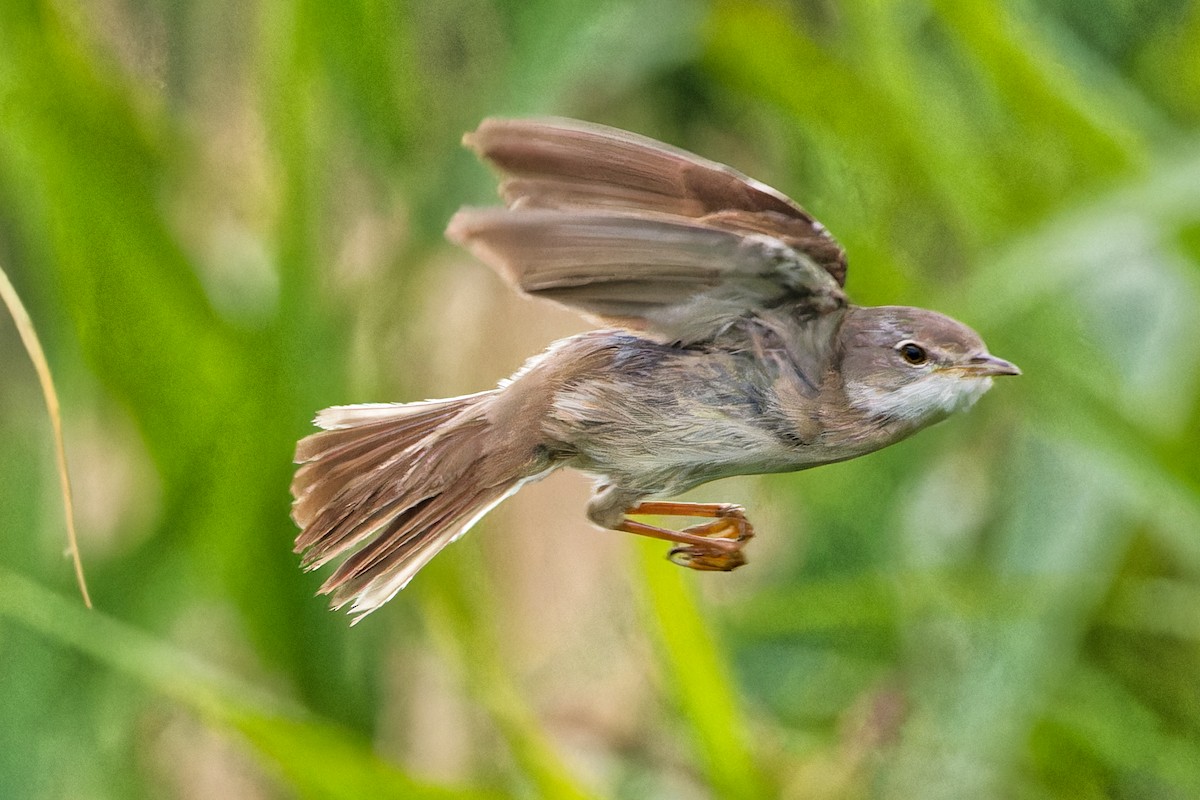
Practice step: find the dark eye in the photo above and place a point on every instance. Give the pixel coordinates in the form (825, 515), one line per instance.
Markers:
(913, 353)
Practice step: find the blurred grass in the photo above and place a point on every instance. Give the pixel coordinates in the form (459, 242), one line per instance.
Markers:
(699, 678)
(317, 758)
(223, 217)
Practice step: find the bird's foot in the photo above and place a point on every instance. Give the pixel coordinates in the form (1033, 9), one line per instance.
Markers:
(722, 551)
(714, 546)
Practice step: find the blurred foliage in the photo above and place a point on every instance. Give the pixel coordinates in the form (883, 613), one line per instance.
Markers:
(224, 216)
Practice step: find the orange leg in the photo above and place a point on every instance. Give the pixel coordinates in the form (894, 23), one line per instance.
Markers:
(715, 545)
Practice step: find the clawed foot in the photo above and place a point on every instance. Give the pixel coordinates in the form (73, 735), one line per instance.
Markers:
(714, 546)
(723, 553)
(692, 557)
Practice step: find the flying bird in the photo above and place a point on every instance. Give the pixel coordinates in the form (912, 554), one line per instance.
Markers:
(728, 347)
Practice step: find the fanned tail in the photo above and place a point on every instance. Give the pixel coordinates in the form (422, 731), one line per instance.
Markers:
(392, 485)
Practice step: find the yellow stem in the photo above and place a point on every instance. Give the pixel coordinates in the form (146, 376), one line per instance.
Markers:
(34, 348)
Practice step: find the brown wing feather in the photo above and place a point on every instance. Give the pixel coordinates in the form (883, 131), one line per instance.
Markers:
(561, 163)
(677, 276)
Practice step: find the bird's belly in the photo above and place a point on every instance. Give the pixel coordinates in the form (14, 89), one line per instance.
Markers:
(674, 458)
(664, 420)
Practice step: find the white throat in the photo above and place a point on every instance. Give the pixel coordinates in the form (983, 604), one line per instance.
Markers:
(931, 398)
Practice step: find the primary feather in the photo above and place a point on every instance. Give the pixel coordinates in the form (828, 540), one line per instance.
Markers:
(678, 277)
(563, 163)
(644, 235)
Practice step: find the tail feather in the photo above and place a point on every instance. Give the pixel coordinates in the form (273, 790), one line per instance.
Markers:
(356, 441)
(400, 543)
(391, 485)
(376, 428)
(413, 552)
(409, 497)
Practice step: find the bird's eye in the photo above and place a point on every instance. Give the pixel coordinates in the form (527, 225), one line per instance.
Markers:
(913, 353)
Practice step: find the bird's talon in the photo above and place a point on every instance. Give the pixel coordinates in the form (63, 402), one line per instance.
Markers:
(680, 556)
(693, 557)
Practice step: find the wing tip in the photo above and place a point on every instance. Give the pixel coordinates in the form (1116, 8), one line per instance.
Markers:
(479, 141)
(456, 228)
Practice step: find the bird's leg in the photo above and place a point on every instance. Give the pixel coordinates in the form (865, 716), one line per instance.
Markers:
(715, 545)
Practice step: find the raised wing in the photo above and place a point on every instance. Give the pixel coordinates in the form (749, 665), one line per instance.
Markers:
(671, 275)
(636, 232)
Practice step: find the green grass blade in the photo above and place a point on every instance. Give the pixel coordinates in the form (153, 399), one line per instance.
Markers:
(317, 758)
(460, 623)
(699, 675)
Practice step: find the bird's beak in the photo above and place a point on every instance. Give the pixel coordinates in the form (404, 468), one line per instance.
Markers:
(988, 365)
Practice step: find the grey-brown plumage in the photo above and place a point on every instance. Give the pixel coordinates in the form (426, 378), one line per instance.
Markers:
(730, 349)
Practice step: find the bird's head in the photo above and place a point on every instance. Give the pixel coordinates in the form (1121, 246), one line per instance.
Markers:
(914, 366)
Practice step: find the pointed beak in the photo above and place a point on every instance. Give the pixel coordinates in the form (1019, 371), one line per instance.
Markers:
(989, 365)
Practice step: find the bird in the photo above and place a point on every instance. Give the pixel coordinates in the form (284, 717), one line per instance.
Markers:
(727, 346)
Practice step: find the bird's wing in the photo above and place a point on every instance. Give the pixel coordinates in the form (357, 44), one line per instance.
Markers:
(639, 233)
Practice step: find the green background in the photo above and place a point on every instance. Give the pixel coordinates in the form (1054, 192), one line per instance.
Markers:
(226, 215)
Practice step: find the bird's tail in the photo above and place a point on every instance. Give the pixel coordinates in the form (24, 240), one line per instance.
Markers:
(393, 484)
